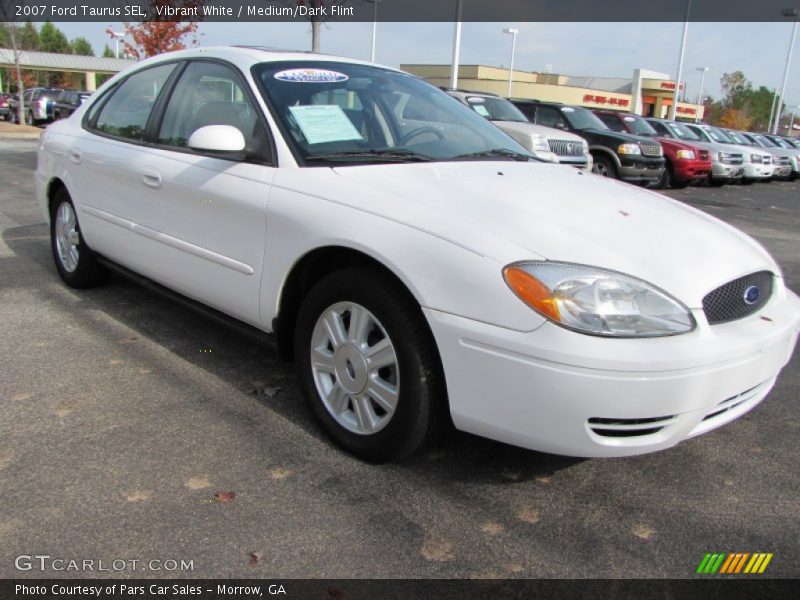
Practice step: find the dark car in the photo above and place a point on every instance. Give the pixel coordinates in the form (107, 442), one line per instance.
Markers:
(686, 163)
(631, 158)
(68, 102)
(5, 107)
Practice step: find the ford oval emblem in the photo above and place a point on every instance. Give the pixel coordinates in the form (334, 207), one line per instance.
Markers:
(751, 294)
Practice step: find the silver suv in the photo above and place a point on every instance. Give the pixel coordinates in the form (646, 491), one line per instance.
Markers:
(545, 143)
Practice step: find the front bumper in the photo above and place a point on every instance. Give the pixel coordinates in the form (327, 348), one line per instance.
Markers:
(689, 170)
(726, 172)
(641, 169)
(782, 172)
(559, 391)
(581, 162)
(756, 171)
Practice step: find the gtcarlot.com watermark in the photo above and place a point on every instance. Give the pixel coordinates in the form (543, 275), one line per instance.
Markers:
(45, 562)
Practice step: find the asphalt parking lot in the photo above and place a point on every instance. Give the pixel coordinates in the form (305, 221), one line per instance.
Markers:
(122, 414)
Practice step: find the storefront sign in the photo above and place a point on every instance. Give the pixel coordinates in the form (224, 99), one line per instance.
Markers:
(605, 100)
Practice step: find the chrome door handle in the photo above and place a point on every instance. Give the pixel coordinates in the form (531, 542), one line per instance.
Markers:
(151, 177)
(75, 155)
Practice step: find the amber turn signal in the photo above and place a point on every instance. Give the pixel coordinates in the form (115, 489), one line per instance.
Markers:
(532, 292)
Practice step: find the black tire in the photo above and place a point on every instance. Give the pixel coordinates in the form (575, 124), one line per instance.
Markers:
(88, 272)
(421, 401)
(604, 166)
(666, 180)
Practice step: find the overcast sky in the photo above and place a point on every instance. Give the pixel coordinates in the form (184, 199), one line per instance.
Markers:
(584, 49)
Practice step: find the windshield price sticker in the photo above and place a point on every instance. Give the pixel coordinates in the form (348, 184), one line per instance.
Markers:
(311, 76)
(321, 123)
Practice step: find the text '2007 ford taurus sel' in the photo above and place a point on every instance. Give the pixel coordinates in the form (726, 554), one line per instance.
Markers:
(415, 261)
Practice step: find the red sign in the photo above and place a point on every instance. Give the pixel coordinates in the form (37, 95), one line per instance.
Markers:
(667, 85)
(686, 110)
(622, 102)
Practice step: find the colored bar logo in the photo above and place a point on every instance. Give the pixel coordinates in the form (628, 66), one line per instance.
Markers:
(734, 563)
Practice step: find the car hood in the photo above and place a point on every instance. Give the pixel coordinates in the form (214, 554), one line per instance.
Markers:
(529, 128)
(512, 211)
(714, 146)
(748, 150)
(675, 144)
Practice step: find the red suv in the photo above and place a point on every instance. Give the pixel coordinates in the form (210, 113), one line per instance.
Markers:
(686, 163)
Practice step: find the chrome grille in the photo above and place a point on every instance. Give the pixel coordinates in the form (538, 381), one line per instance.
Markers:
(782, 161)
(736, 300)
(731, 159)
(766, 160)
(651, 149)
(566, 147)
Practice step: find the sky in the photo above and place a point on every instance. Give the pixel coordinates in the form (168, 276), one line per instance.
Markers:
(579, 49)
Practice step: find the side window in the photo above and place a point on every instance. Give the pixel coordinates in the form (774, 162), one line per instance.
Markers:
(614, 124)
(549, 117)
(212, 94)
(127, 111)
(660, 129)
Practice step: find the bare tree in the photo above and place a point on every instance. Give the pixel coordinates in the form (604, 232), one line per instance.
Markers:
(11, 28)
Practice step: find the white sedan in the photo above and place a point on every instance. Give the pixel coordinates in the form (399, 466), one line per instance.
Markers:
(415, 261)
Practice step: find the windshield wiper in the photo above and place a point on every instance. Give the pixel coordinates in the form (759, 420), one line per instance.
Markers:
(389, 155)
(494, 153)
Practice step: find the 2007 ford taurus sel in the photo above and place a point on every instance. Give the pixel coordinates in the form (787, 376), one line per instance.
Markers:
(415, 261)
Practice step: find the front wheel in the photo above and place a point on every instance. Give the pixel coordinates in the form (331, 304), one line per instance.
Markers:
(604, 166)
(368, 365)
(75, 262)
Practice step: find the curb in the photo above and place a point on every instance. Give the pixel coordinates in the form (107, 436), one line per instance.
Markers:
(20, 136)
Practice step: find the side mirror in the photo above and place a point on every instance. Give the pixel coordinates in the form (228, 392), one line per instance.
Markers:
(217, 138)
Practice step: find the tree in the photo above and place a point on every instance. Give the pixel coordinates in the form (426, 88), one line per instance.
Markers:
(158, 34)
(81, 46)
(315, 17)
(108, 52)
(759, 104)
(11, 32)
(52, 39)
(734, 118)
(735, 87)
(29, 37)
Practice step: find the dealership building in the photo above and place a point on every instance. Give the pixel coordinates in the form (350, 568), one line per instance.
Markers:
(648, 93)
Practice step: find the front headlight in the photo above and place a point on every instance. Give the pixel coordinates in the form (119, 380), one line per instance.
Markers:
(629, 149)
(597, 301)
(540, 144)
(686, 154)
(585, 146)
(756, 158)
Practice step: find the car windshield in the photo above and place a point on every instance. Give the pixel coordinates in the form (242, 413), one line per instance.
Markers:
(581, 118)
(496, 109)
(639, 126)
(765, 141)
(718, 135)
(332, 112)
(682, 132)
(739, 138)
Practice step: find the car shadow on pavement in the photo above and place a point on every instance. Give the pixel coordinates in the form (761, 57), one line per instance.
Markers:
(241, 361)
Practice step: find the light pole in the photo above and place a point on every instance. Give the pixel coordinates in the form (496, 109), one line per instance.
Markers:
(772, 109)
(786, 12)
(456, 49)
(117, 35)
(702, 70)
(374, 28)
(680, 61)
(513, 33)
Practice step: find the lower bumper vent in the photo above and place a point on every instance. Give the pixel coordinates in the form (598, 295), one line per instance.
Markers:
(629, 427)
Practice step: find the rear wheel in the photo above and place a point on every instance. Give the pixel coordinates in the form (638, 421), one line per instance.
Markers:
(75, 262)
(368, 365)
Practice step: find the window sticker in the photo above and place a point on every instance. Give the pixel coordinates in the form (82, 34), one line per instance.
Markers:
(567, 109)
(321, 123)
(311, 76)
(628, 119)
(481, 110)
(476, 100)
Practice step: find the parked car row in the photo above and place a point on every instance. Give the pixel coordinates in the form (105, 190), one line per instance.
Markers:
(650, 152)
(420, 266)
(42, 105)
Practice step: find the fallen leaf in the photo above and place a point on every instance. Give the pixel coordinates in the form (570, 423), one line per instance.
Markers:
(255, 558)
(63, 411)
(144, 371)
(197, 483)
(280, 473)
(138, 496)
(492, 528)
(224, 497)
(544, 479)
(643, 531)
(437, 550)
(21, 397)
(529, 515)
(512, 475)
(115, 361)
(128, 340)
